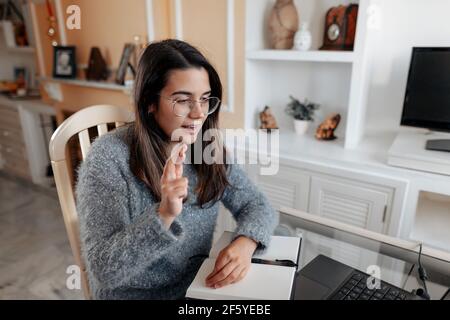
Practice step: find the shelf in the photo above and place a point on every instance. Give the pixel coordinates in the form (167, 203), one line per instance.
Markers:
(21, 49)
(432, 221)
(308, 148)
(293, 55)
(89, 84)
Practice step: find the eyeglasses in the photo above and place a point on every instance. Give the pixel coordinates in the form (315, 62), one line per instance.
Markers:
(182, 107)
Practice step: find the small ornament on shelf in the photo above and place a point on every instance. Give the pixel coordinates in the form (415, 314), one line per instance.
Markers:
(325, 131)
(302, 112)
(268, 120)
(302, 40)
(125, 64)
(340, 28)
(51, 32)
(283, 24)
(13, 25)
(97, 68)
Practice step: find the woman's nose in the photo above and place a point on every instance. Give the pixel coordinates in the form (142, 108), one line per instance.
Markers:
(196, 111)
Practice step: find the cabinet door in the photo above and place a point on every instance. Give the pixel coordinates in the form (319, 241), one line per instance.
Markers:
(352, 203)
(13, 154)
(288, 188)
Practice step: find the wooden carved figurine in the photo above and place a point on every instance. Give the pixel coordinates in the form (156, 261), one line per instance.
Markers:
(325, 131)
(267, 120)
(283, 24)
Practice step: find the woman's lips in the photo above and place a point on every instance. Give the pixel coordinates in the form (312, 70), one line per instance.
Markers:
(191, 128)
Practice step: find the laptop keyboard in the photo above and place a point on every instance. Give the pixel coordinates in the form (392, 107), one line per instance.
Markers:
(355, 288)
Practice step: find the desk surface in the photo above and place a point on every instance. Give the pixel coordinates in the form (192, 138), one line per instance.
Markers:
(395, 265)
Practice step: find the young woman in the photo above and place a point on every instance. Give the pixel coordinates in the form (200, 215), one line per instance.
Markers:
(147, 218)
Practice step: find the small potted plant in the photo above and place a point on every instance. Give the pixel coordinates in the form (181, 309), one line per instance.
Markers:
(302, 112)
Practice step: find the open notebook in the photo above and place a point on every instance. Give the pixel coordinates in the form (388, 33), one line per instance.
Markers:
(263, 281)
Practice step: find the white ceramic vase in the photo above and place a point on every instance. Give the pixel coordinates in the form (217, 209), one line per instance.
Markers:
(301, 126)
(302, 39)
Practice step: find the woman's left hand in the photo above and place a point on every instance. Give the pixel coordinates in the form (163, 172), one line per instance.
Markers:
(233, 263)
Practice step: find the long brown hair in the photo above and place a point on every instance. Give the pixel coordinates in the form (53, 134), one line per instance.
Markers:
(148, 142)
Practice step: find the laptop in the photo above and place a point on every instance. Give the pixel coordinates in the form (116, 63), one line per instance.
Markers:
(327, 279)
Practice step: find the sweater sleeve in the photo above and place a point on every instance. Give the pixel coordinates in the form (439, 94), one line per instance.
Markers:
(255, 217)
(116, 247)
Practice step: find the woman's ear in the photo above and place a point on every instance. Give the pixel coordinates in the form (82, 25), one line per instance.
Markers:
(151, 108)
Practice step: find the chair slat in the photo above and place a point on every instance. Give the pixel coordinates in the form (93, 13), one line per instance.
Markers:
(119, 124)
(85, 142)
(102, 129)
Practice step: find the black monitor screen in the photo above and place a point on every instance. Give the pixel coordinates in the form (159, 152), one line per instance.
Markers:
(427, 98)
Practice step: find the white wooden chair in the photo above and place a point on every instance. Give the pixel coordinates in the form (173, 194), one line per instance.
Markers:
(78, 124)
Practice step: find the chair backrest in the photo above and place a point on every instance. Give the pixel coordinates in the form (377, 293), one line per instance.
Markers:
(78, 124)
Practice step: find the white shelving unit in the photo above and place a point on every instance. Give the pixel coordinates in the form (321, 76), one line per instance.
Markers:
(337, 80)
(291, 55)
(31, 124)
(326, 178)
(89, 84)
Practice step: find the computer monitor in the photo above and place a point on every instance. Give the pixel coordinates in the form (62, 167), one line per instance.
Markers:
(427, 97)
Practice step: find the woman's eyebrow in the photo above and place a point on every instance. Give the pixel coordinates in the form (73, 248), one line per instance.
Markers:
(182, 92)
(188, 93)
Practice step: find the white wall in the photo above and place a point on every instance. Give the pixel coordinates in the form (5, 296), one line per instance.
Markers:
(404, 24)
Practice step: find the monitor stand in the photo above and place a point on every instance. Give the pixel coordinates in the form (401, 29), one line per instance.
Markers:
(438, 145)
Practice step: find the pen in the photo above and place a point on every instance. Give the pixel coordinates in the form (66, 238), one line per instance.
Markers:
(277, 262)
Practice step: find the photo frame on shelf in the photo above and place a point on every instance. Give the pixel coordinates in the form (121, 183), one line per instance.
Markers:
(64, 62)
(21, 77)
(124, 63)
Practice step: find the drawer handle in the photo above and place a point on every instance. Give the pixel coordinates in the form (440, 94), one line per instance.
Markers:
(8, 150)
(6, 133)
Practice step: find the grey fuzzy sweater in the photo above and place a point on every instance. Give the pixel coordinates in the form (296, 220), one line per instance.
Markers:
(128, 253)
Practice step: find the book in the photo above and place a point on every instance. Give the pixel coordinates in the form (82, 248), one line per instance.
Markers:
(264, 281)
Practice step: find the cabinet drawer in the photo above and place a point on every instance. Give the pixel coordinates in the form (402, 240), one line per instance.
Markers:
(11, 127)
(11, 149)
(9, 115)
(15, 163)
(11, 139)
(9, 123)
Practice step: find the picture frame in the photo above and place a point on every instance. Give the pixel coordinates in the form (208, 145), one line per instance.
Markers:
(64, 62)
(21, 77)
(124, 62)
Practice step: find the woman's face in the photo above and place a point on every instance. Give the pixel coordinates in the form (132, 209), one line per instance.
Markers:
(183, 84)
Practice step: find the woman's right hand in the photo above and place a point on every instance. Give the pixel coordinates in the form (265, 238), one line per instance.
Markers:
(174, 187)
